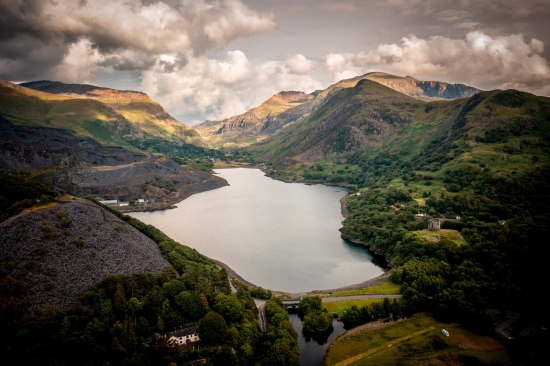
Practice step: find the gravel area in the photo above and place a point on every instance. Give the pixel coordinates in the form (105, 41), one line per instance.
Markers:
(58, 266)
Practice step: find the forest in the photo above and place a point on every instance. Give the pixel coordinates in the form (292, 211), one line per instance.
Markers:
(125, 320)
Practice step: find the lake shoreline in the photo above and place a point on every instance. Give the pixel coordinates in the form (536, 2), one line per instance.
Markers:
(367, 283)
(210, 185)
(295, 285)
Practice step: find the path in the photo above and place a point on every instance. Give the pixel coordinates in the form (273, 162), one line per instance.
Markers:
(296, 300)
(261, 314)
(360, 297)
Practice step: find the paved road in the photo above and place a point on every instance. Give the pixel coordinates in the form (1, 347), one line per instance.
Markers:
(261, 315)
(360, 297)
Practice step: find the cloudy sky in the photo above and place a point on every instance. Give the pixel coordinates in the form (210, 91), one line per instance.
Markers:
(204, 59)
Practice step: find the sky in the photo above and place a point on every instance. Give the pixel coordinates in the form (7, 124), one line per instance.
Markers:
(209, 60)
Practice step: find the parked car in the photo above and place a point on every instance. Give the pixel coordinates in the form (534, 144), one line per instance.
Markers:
(445, 333)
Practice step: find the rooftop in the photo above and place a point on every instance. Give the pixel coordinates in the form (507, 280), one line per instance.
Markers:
(185, 331)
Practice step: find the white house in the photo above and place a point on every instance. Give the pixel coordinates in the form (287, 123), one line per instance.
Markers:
(141, 200)
(184, 336)
(420, 215)
(109, 202)
(123, 204)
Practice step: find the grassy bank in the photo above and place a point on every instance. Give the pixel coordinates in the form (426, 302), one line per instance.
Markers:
(417, 340)
(341, 306)
(384, 288)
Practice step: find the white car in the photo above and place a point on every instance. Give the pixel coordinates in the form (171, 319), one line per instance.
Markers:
(445, 333)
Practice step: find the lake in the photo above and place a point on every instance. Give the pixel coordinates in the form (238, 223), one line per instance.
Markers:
(281, 236)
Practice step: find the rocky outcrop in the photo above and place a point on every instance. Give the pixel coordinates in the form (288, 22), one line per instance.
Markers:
(25, 147)
(416, 88)
(253, 123)
(59, 260)
(162, 178)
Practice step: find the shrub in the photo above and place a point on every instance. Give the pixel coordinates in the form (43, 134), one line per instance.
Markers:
(45, 199)
(63, 220)
(453, 187)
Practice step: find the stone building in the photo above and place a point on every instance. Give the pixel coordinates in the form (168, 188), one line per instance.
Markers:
(434, 225)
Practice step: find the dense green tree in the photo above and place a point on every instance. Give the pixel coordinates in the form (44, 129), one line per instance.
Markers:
(212, 328)
(190, 304)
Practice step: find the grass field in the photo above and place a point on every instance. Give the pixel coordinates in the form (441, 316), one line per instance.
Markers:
(341, 306)
(435, 236)
(383, 288)
(417, 340)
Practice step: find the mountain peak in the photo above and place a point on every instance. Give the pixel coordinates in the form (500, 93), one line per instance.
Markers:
(86, 91)
(288, 97)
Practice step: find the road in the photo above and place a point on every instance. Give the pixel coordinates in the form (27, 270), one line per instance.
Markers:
(260, 304)
(360, 297)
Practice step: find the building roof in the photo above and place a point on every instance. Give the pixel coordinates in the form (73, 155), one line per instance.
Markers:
(185, 331)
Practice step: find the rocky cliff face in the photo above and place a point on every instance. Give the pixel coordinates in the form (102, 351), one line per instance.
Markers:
(85, 167)
(416, 88)
(60, 259)
(25, 147)
(239, 129)
(162, 178)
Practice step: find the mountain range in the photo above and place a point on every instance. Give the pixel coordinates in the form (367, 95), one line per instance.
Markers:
(111, 117)
(285, 108)
(410, 150)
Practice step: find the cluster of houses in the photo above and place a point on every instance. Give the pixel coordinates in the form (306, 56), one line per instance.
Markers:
(139, 201)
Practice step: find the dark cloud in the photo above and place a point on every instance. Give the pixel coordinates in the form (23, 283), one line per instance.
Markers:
(125, 63)
(145, 28)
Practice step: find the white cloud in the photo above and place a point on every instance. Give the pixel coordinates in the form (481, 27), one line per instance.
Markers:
(212, 89)
(478, 60)
(341, 66)
(299, 64)
(154, 28)
(80, 63)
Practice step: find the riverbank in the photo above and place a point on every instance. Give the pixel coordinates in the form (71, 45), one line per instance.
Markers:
(368, 283)
(372, 248)
(343, 208)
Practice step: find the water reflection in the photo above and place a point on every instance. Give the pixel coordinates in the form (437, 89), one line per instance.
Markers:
(312, 351)
(281, 236)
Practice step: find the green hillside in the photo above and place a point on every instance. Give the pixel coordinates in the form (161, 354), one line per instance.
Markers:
(484, 159)
(138, 125)
(352, 119)
(286, 108)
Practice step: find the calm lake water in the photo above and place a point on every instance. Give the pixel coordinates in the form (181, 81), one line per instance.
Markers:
(281, 236)
(312, 351)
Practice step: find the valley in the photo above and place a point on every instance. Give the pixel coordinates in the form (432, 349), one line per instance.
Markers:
(389, 153)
